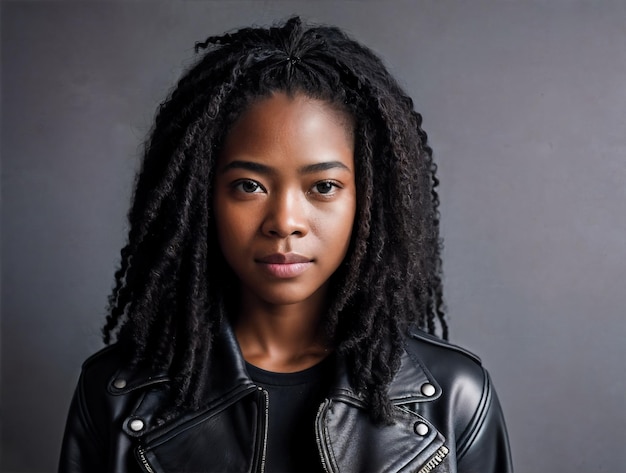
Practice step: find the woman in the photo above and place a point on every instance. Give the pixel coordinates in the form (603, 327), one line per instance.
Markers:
(281, 272)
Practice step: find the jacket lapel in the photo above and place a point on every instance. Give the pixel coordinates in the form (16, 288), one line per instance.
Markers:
(349, 441)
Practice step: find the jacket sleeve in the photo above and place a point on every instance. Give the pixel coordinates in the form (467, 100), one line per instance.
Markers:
(484, 445)
(82, 449)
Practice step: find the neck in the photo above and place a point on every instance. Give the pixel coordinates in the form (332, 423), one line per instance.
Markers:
(283, 338)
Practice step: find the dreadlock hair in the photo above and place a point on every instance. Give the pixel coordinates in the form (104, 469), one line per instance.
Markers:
(170, 294)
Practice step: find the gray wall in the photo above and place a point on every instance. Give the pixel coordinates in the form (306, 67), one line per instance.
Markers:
(525, 103)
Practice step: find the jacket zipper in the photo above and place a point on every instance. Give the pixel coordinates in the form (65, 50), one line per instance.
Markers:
(434, 461)
(318, 435)
(263, 421)
(144, 461)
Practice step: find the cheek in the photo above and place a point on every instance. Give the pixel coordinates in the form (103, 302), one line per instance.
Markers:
(336, 229)
(348, 222)
(230, 226)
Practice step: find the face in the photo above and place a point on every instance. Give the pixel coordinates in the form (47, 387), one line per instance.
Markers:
(285, 198)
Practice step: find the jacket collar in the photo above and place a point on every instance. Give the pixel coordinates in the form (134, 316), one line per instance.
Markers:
(228, 376)
(412, 383)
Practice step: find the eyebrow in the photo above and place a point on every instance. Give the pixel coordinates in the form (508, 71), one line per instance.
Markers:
(267, 170)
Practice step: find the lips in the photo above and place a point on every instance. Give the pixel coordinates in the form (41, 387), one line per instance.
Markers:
(284, 266)
(284, 258)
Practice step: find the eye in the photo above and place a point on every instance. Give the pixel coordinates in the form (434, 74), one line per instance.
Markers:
(325, 187)
(248, 186)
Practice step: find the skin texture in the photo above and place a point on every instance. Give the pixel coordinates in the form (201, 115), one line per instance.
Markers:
(284, 204)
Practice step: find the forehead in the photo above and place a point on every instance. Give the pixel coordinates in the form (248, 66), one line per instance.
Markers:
(281, 104)
(286, 121)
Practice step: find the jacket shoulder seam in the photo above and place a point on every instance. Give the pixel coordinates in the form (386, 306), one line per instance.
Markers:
(431, 339)
(96, 356)
(134, 378)
(469, 435)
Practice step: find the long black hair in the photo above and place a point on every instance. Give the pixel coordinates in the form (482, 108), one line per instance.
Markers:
(170, 293)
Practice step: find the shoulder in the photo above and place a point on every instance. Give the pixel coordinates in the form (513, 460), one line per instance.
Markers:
(109, 380)
(458, 373)
(435, 342)
(441, 355)
(100, 369)
(108, 392)
(468, 402)
(112, 371)
(103, 363)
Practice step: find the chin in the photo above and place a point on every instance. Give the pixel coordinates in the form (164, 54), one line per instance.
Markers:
(288, 294)
(285, 298)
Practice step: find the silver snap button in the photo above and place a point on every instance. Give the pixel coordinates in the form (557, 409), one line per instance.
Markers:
(136, 425)
(428, 389)
(421, 429)
(119, 383)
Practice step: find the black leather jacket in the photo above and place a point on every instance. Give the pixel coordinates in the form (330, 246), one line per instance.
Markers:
(447, 419)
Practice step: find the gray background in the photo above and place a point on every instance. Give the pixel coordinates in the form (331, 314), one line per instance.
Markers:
(525, 104)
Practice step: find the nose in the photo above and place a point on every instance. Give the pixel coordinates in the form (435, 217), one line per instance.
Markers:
(286, 215)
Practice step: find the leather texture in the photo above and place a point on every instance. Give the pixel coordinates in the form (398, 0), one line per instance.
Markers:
(446, 419)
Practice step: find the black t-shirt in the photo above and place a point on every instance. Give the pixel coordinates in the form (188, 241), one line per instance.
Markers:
(294, 399)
